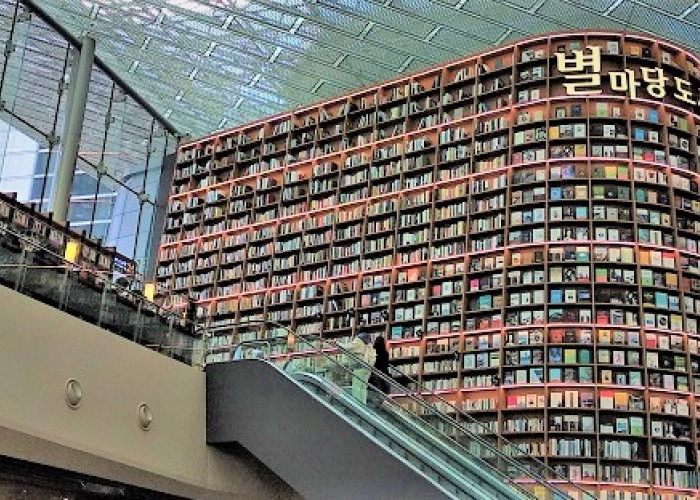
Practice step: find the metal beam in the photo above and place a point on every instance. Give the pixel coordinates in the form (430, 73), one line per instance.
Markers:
(75, 112)
(45, 17)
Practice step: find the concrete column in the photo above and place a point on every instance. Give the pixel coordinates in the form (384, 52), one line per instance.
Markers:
(75, 113)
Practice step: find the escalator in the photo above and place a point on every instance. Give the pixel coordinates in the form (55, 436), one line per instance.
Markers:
(461, 477)
(313, 419)
(325, 444)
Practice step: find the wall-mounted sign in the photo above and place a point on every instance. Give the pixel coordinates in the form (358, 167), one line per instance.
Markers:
(573, 66)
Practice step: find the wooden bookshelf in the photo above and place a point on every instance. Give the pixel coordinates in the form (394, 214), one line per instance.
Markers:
(47, 233)
(530, 253)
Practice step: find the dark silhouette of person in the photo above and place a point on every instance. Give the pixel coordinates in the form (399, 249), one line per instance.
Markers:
(381, 363)
(191, 315)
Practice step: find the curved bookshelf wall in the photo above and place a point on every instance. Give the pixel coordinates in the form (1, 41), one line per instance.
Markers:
(530, 252)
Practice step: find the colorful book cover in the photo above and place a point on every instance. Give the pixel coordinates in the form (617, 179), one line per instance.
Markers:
(570, 356)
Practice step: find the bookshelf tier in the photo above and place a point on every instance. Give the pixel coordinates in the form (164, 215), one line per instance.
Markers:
(522, 225)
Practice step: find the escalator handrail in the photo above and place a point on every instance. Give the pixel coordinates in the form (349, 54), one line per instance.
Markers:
(327, 355)
(330, 387)
(423, 403)
(405, 392)
(391, 433)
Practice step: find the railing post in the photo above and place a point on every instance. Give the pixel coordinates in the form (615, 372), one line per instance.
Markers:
(65, 285)
(137, 325)
(21, 269)
(103, 302)
(171, 326)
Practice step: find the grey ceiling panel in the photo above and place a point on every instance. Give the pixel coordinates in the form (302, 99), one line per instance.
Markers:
(526, 4)
(202, 61)
(674, 7)
(600, 6)
(663, 24)
(505, 14)
(573, 15)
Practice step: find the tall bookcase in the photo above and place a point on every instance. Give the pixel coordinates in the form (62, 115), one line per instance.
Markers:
(530, 252)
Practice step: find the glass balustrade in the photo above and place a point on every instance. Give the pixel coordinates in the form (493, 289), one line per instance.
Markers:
(92, 296)
(419, 411)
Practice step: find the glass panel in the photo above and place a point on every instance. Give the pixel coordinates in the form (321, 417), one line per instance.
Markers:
(19, 159)
(97, 118)
(39, 273)
(33, 96)
(44, 173)
(115, 140)
(125, 221)
(144, 232)
(12, 260)
(31, 86)
(347, 368)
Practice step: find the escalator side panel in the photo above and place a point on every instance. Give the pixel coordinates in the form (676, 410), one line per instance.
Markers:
(309, 446)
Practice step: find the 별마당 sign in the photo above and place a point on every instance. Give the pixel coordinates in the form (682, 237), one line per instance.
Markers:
(578, 82)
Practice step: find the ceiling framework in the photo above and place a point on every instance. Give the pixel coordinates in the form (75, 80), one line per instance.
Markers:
(119, 132)
(211, 64)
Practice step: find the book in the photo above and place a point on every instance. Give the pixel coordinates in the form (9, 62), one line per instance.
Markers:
(556, 399)
(607, 400)
(585, 374)
(621, 400)
(622, 425)
(570, 356)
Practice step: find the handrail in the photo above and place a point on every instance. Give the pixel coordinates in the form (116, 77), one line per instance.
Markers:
(98, 275)
(336, 392)
(431, 427)
(33, 257)
(350, 402)
(422, 402)
(475, 436)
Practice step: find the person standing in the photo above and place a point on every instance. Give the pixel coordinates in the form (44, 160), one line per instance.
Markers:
(191, 315)
(381, 363)
(359, 347)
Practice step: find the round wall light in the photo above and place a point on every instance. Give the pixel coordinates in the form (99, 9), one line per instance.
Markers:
(74, 393)
(144, 416)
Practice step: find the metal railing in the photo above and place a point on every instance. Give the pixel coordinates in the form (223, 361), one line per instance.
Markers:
(424, 402)
(94, 296)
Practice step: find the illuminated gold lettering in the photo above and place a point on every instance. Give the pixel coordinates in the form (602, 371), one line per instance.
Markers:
(683, 90)
(582, 84)
(578, 62)
(624, 81)
(655, 80)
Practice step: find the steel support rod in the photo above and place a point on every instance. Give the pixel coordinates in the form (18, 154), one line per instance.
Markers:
(75, 115)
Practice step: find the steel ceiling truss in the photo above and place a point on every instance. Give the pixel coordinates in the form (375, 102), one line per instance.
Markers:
(204, 63)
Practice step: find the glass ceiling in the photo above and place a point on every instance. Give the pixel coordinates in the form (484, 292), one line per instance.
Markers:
(212, 64)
